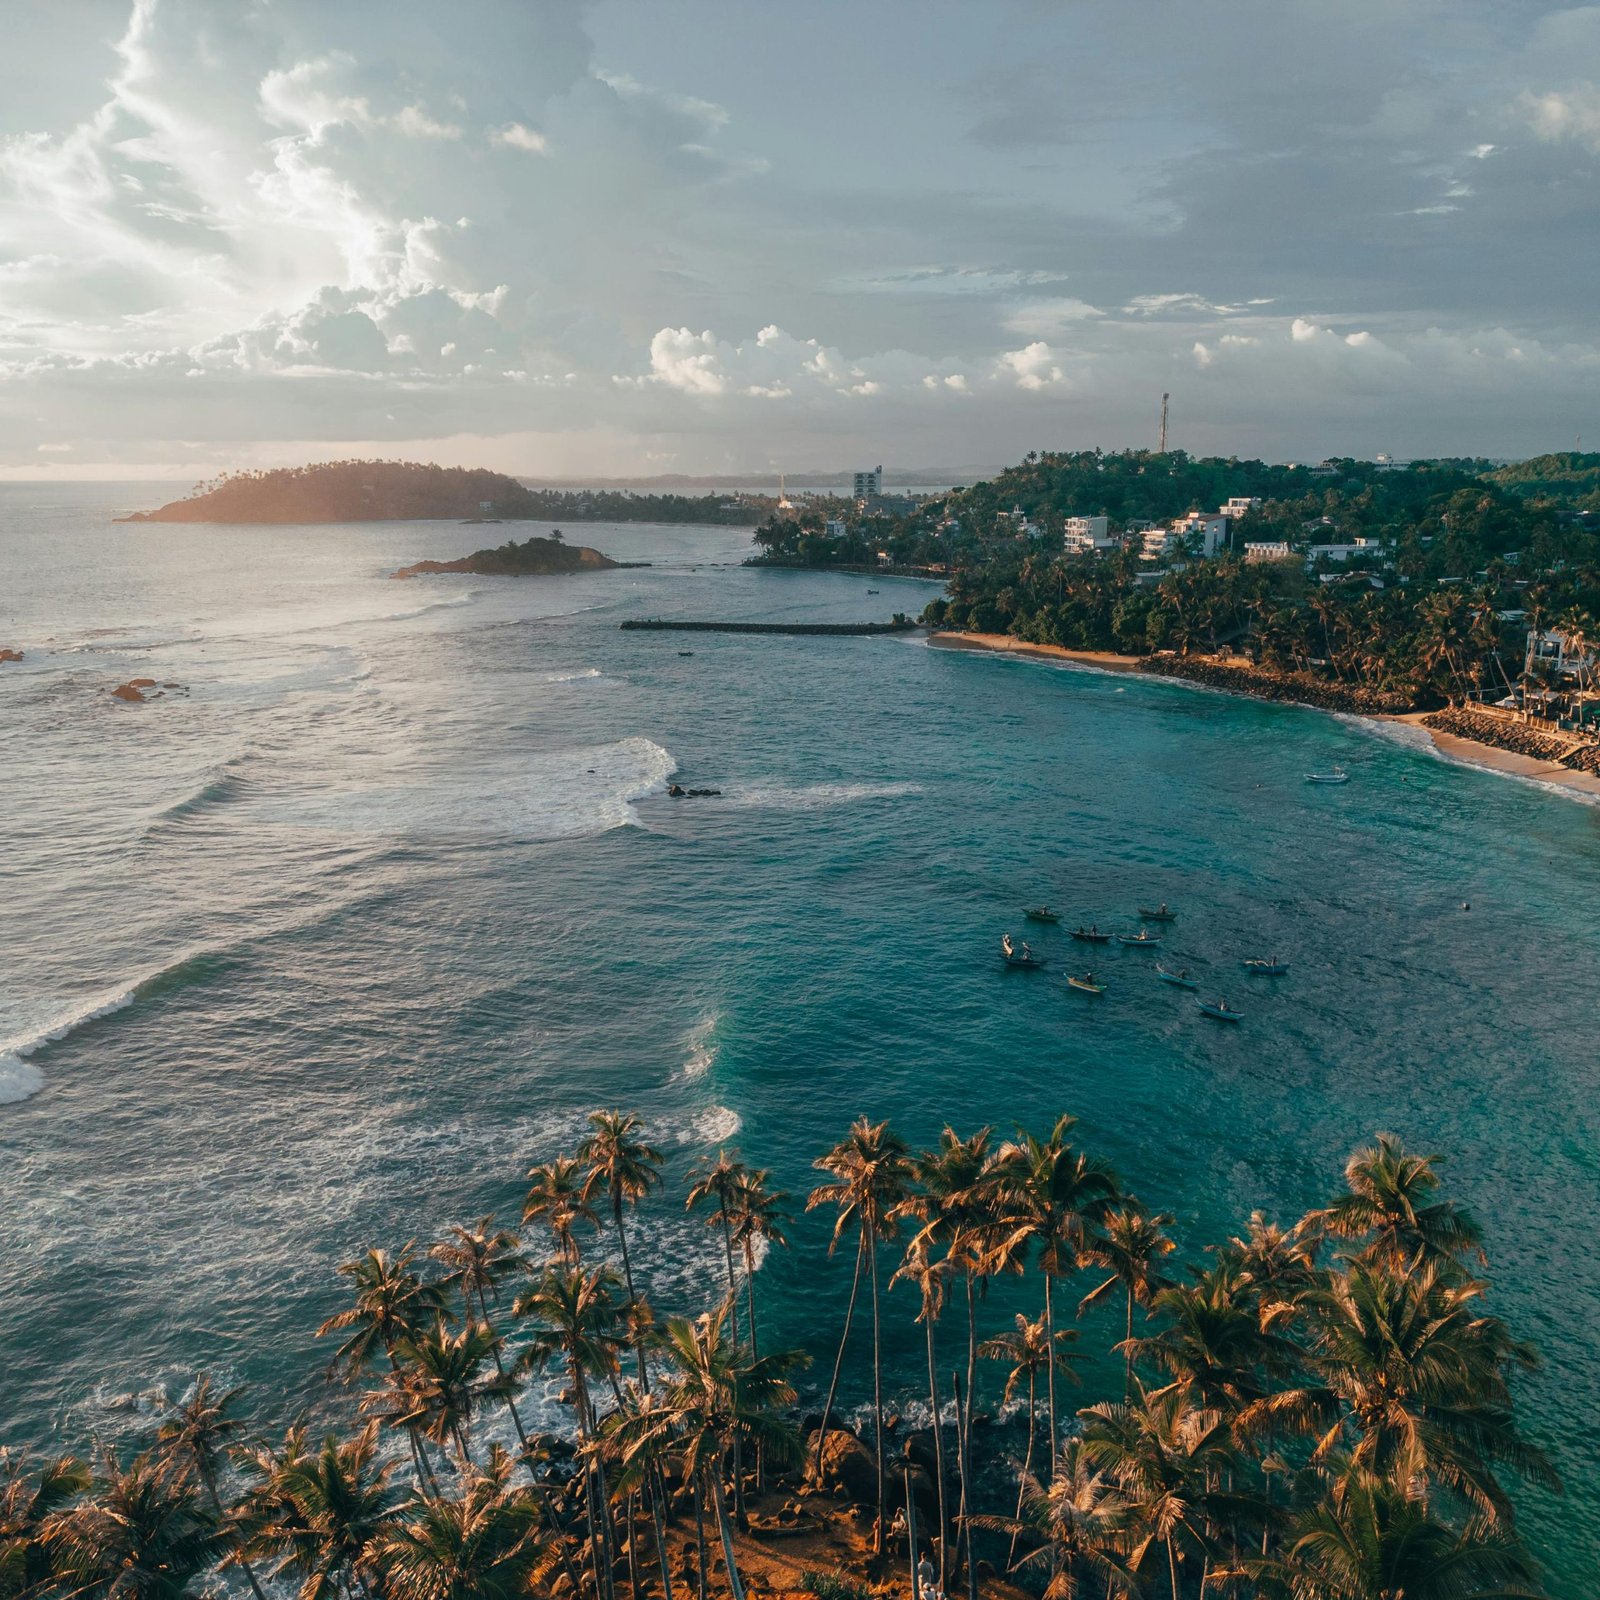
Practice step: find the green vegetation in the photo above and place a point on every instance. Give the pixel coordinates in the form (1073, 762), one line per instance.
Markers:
(535, 556)
(1316, 1412)
(398, 491)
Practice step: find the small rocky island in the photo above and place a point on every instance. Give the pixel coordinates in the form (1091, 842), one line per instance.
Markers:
(534, 557)
(352, 491)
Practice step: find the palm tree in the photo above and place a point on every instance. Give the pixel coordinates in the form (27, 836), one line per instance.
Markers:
(321, 1515)
(626, 1169)
(1030, 1349)
(871, 1171)
(391, 1303)
(1280, 1265)
(1080, 1523)
(1130, 1244)
(1053, 1196)
(27, 1503)
(758, 1218)
(195, 1437)
(488, 1544)
(929, 1275)
(439, 1384)
(718, 1179)
(558, 1196)
(715, 1399)
(1368, 1540)
(1391, 1198)
(141, 1532)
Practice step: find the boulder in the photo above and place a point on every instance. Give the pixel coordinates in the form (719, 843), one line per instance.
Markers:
(10, 655)
(142, 683)
(127, 691)
(847, 1464)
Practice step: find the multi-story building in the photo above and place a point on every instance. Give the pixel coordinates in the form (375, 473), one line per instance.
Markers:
(1088, 536)
(869, 484)
(1267, 550)
(1240, 506)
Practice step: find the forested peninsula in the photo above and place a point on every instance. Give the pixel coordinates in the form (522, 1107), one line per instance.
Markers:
(532, 558)
(405, 491)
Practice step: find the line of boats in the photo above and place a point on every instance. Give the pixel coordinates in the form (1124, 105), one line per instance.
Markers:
(1020, 954)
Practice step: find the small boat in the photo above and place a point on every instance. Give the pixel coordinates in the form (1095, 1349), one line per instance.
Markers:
(1338, 775)
(1091, 935)
(1262, 967)
(1220, 1009)
(1141, 940)
(1160, 914)
(1041, 914)
(1015, 956)
(874, 591)
(1088, 983)
(1181, 980)
(686, 652)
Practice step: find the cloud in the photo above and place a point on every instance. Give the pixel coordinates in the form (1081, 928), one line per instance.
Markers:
(516, 137)
(1570, 114)
(1034, 366)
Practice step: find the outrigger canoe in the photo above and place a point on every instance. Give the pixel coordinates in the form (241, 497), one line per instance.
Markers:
(1338, 775)
(1261, 967)
(1220, 1009)
(1014, 957)
(1041, 914)
(1141, 940)
(1181, 980)
(1159, 914)
(1086, 983)
(1091, 936)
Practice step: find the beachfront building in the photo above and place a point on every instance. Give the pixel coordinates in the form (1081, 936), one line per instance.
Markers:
(1257, 551)
(1560, 654)
(1088, 536)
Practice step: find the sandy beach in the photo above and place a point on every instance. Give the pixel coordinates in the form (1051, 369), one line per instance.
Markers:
(1468, 751)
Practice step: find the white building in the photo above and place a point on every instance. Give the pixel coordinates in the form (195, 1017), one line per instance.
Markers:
(1266, 550)
(1208, 535)
(1088, 535)
(834, 528)
(869, 484)
(1239, 506)
(1156, 543)
(1344, 552)
(1554, 649)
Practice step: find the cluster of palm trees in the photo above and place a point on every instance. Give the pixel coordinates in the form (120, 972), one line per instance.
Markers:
(1320, 1411)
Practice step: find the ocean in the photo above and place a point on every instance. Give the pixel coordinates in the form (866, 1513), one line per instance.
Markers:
(326, 946)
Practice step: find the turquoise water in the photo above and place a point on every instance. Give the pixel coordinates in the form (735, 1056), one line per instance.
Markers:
(340, 941)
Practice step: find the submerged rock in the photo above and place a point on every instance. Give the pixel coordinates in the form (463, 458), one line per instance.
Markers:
(128, 691)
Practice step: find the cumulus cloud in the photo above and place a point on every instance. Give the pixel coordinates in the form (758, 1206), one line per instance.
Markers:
(1034, 367)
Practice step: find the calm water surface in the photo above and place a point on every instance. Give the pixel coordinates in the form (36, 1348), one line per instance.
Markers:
(325, 948)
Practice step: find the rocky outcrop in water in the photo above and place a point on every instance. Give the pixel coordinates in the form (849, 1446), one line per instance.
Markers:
(1295, 687)
(532, 558)
(10, 655)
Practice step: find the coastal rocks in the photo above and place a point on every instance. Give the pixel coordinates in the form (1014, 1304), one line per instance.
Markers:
(136, 690)
(1262, 685)
(536, 558)
(10, 655)
(1503, 734)
(847, 1466)
(128, 691)
(677, 792)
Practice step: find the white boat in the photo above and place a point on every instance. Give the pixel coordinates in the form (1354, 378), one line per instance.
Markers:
(1338, 775)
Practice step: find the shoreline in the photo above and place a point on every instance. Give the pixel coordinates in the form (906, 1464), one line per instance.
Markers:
(1581, 786)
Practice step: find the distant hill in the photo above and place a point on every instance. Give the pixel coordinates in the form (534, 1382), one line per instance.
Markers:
(1567, 477)
(350, 491)
(532, 558)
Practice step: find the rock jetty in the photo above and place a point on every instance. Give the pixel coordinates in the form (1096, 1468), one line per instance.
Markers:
(1294, 687)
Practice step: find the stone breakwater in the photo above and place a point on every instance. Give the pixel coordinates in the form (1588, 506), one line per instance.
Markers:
(827, 629)
(1292, 687)
(1502, 734)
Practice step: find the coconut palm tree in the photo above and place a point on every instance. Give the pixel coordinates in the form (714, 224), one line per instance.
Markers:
(141, 1532)
(487, 1544)
(28, 1500)
(1054, 1197)
(196, 1435)
(1030, 1349)
(559, 1196)
(929, 1275)
(1130, 1244)
(320, 1516)
(391, 1302)
(1079, 1526)
(1391, 1202)
(872, 1172)
(1279, 1264)
(757, 1222)
(718, 1179)
(441, 1380)
(1368, 1540)
(625, 1169)
(715, 1397)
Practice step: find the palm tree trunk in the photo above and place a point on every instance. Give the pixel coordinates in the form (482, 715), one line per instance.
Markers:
(833, 1385)
(725, 1528)
(1027, 1467)
(209, 1479)
(627, 1278)
(631, 1513)
(700, 1535)
(1127, 1374)
(911, 1537)
(938, 1453)
(661, 1542)
(877, 1388)
(1172, 1569)
(1050, 1352)
(966, 1505)
(733, 1282)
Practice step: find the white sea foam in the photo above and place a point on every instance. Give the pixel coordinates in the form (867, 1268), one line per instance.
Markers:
(818, 796)
(713, 1125)
(574, 676)
(701, 1050)
(19, 1077)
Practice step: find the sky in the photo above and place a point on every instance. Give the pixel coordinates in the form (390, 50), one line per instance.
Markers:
(616, 237)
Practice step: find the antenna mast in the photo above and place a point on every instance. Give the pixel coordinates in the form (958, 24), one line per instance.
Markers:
(1162, 447)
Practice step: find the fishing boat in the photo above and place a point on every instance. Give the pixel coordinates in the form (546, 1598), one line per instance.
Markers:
(1041, 914)
(1180, 980)
(1220, 1009)
(1338, 775)
(1160, 914)
(874, 591)
(1087, 982)
(1263, 967)
(1142, 940)
(1091, 935)
(1015, 956)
